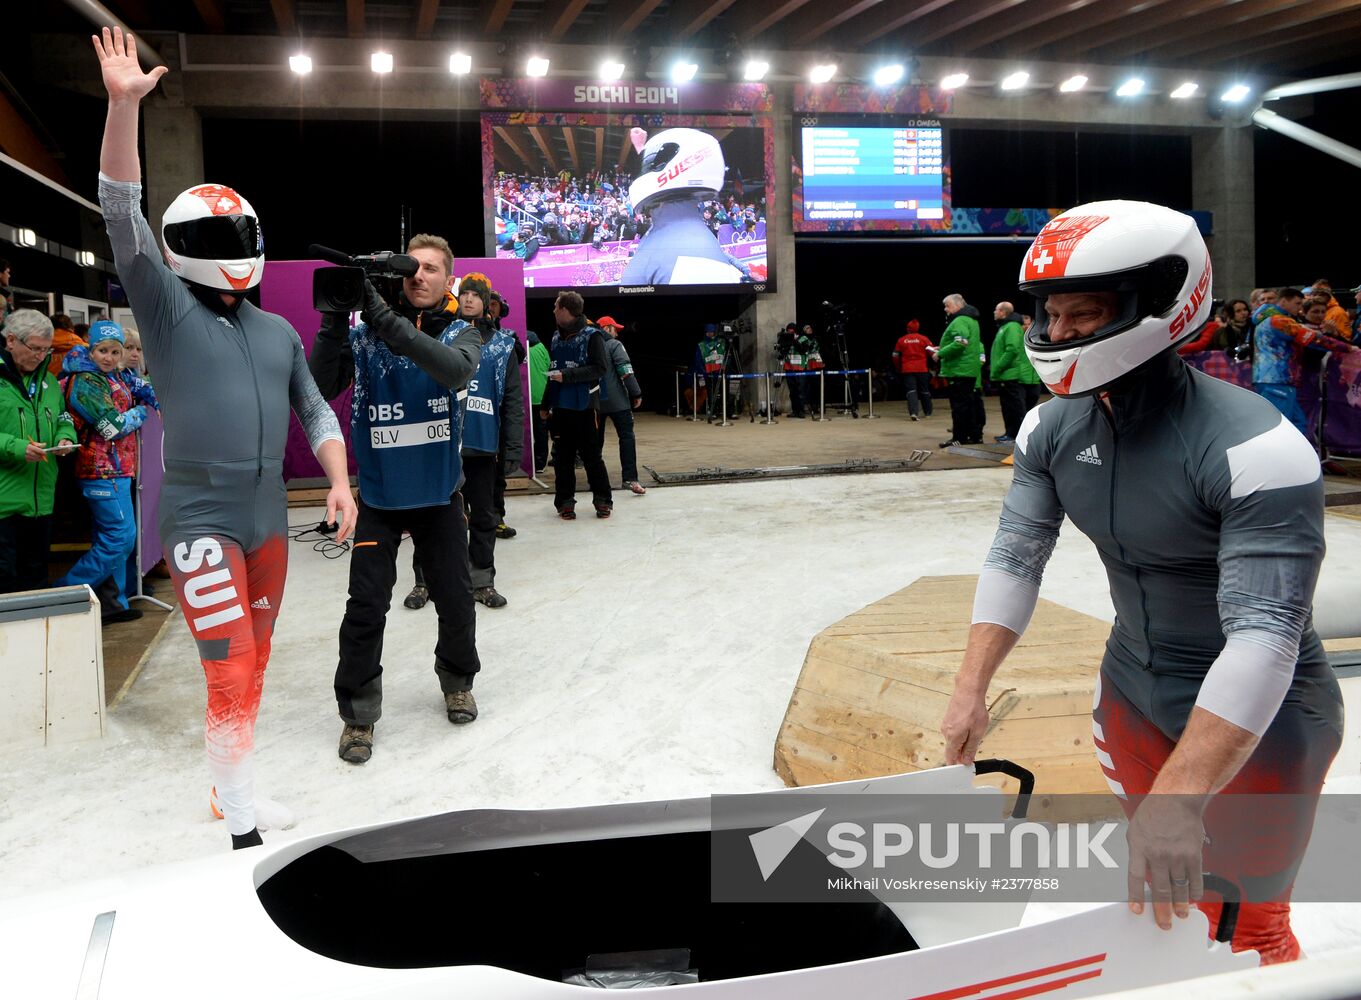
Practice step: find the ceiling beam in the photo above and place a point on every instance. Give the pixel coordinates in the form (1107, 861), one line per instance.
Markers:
(689, 16)
(1164, 16)
(953, 18)
(506, 137)
(622, 17)
(20, 142)
(625, 148)
(494, 13)
(752, 19)
(572, 149)
(136, 13)
(1089, 18)
(213, 17)
(354, 18)
(814, 22)
(560, 15)
(284, 16)
(599, 149)
(539, 140)
(1012, 23)
(1231, 53)
(1310, 56)
(426, 14)
(886, 19)
(1262, 17)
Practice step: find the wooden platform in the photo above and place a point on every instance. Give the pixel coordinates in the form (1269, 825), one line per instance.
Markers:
(874, 687)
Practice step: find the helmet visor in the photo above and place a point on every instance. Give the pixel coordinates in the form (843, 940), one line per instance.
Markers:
(219, 237)
(1148, 290)
(657, 159)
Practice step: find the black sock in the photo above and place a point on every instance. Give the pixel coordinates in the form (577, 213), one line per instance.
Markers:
(251, 839)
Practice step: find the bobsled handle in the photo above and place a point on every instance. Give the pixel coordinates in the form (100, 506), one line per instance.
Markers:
(1228, 914)
(995, 765)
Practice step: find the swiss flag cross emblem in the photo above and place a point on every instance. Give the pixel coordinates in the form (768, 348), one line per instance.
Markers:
(221, 200)
(1049, 254)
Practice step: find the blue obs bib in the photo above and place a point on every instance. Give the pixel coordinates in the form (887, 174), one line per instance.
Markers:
(573, 352)
(404, 427)
(486, 391)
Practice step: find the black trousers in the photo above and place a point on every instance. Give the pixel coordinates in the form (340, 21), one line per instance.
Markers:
(24, 542)
(479, 495)
(628, 442)
(964, 411)
(439, 535)
(577, 432)
(917, 385)
(1032, 396)
(540, 441)
(1013, 406)
(797, 393)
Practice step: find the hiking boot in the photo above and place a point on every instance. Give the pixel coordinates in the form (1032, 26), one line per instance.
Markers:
(635, 487)
(568, 513)
(503, 530)
(489, 597)
(356, 743)
(417, 598)
(461, 707)
(603, 509)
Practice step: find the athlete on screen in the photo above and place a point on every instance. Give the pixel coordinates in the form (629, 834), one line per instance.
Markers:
(1206, 507)
(227, 375)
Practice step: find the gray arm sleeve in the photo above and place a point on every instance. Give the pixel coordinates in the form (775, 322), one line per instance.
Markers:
(314, 413)
(332, 361)
(1248, 680)
(451, 365)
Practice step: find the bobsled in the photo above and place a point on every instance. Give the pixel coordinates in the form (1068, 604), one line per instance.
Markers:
(496, 904)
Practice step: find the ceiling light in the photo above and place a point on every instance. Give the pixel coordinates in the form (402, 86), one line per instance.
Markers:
(886, 76)
(381, 62)
(300, 64)
(1130, 88)
(1186, 90)
(822, 72)
(85, 258)
(1073, 84)
(610, 69)
(756, 69)
(954, 81)
(536, 66)
(460, 63)
(683, 72)
(1016, 80)
(1235, 93)
(27, 237)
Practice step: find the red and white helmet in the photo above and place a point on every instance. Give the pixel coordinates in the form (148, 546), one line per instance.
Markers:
(212, 238)
(1151, 257)
(682, 161)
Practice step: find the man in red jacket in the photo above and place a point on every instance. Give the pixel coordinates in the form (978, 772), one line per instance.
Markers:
(909, 358)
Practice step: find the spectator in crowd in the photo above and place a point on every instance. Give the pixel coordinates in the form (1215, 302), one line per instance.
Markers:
(696, 391)
(6, 293)
(1279, 340)
(960, 354)
(539, 362)
(407, 363)
(713, 350)
(108, 410)
(132, 352)
(1336, 317)
(1236, 327)
(497, 310)
(572, 404)
(33, 421)
(621, 395)
(493, 433)
(64, 338)
(909, 358)
(1260, 296)
(1011, 371)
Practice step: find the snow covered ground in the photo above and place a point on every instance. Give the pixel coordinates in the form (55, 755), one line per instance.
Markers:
(646, 656)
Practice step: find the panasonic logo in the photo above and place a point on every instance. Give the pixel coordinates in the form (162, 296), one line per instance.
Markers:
(636, 289)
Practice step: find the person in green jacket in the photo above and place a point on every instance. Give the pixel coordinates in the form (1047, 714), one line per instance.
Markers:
(539, 363)
(33, 421)
(961, 362)
(1012, 373)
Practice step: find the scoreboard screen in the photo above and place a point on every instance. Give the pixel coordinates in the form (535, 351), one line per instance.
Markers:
(894, 176)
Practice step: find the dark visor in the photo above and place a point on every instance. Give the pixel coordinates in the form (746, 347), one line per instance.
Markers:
(221, 237)
(660, 157)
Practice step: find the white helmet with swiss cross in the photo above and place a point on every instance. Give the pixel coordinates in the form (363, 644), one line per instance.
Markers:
(212, 238)
(1151, 257)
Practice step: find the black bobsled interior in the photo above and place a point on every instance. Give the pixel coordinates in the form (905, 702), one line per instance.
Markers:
(541, 910)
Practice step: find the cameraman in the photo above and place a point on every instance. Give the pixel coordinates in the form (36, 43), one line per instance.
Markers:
(408, 367)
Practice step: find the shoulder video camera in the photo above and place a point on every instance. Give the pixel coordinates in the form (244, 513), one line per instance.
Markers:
(340, 289)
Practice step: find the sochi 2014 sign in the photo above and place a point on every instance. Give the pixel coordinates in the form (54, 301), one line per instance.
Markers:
(636, 95)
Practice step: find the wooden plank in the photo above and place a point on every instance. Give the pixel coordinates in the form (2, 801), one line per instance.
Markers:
(75, 678)
(354, 18)
(542, 143)
(818, 19)
(572, 148)
(953, 19)
(23, 709)
(689, 16)
(561, 15)
(505, 137)
(626, 15)
(426, 15)
(750, 19)
(1056, 28)
(1245, 20)
(599, 149)
(1016, 23)
(284, 16)
(494, 13)
(213, 17)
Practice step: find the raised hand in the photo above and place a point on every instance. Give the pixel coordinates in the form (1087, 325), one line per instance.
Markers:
(123, 76)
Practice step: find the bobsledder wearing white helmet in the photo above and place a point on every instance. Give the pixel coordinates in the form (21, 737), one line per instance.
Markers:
(212, 238)
(682, 161)
(1152, 258)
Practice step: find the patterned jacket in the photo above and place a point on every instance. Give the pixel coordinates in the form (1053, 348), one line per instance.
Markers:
(1279, 341)
(108, 408)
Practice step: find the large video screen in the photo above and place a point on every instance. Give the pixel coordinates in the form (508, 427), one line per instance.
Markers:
(854, 175)
(631, 204)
